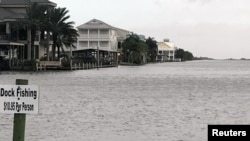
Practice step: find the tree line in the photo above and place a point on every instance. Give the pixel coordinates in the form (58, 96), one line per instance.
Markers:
(184, 55)
(53, 24)
(136, 50)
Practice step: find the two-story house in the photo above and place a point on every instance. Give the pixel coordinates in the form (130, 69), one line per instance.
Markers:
(97, 36)
(166, 51)
(13, 35)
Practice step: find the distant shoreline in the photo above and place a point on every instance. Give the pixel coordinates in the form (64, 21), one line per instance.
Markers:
(207, 58)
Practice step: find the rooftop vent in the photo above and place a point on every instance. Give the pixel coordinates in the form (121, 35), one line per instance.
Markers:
(166, 40)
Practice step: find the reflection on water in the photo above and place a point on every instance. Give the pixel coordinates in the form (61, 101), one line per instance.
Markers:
(164, 101)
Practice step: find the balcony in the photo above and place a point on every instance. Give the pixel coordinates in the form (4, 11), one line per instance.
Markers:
(94, 36)
(104, 36)
(84, 36)
(8, 37)
(3, 37)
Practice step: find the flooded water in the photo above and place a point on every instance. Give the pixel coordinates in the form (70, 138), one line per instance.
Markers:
(154, 102)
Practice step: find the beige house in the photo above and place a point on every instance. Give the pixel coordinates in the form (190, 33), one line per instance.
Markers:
(13, 38)
(166, 51)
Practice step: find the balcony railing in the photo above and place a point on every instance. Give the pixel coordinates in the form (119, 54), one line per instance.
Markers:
(3, 37)
(12, 37)
(83, 36)
(94, 36)
(104, 36)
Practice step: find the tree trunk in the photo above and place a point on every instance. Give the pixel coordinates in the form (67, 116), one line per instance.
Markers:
(58, 52)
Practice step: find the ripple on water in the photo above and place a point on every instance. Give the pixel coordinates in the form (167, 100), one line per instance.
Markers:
(165, 101)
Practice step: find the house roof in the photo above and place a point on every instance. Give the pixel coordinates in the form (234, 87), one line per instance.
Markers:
(98, 24)
(165, 46)
(121, 33)
(7, 14)
(11, 43)
(21, 2)
(94, 24)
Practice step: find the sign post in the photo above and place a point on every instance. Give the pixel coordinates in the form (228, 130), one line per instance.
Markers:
(19, 119)
(19, 99)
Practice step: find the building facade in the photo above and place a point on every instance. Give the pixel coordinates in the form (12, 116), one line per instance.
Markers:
(166, 51)
(96, 35)
(13, 36)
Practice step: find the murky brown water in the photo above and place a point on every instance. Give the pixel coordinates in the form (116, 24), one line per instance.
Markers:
(155, 102)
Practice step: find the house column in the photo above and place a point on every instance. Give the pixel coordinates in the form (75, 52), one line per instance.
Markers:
(10, 55)
(88, 37)
(169, 55)
(173, 55)
(13, 55)
(98, 37)
(8, 30)
(38, 47)
(29, 44)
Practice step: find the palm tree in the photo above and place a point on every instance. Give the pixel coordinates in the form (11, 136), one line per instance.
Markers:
(68, 38)
(34, 20)
(63, 32)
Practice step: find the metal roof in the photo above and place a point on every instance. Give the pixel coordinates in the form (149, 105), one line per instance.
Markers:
(5, 13)
(21, 2)
(98, 24)
(94, 24)
(9, 43)
(165, 46)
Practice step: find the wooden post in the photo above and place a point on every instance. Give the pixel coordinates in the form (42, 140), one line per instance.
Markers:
(98, 57)
(19, 119)
(70, 64)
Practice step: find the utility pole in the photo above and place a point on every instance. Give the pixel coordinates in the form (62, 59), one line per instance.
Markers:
(97, 57)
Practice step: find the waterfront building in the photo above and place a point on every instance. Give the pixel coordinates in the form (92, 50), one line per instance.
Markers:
(97, 36)
(166, 51)
(14, 36)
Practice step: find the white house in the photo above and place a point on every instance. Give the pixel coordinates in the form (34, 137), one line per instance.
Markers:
(97, 35)
(166, 51)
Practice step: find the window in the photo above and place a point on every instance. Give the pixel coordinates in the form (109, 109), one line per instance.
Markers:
(83, 31)
(104, 31)
(93, 31)
(93, 44)
(83, 44)
(104, 44)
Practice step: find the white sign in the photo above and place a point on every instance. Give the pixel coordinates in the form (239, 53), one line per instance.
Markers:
(19, 99)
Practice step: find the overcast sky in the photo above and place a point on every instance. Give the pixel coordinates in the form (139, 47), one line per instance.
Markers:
(218, 29)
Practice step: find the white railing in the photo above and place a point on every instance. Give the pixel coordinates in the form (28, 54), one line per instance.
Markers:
(42, 65)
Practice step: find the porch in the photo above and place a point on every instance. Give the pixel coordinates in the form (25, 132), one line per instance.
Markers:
(14, 52)
(98, 56)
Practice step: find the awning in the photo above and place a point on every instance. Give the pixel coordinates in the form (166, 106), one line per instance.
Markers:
(8, 43)
(91, 49)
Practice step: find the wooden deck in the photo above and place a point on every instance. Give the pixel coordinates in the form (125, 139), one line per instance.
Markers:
(43, 65)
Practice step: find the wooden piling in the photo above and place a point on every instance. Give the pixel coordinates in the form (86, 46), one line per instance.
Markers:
(19, 119)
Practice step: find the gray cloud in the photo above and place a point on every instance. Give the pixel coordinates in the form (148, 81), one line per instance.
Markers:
(199, 1)
(157, 2)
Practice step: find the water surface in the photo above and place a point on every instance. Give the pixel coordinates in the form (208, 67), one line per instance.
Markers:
(154, 102)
